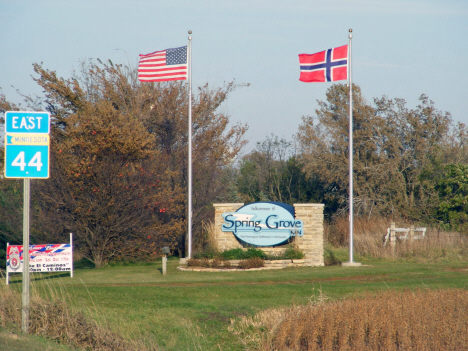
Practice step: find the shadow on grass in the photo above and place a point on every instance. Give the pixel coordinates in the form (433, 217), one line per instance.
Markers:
(83, 264)
(38, 276)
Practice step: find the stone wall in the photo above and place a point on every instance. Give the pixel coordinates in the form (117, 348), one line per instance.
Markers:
(311, 243)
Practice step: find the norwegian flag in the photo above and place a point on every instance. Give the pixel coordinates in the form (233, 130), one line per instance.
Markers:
(325, 66)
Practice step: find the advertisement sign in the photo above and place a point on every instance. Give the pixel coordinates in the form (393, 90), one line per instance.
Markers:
(42, 258)
(263, 223)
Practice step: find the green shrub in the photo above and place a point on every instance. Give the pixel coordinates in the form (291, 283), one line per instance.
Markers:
(240, 254)
(330, 258)
(233, 254)
(255, 253)
(293, 253)
(206, 254)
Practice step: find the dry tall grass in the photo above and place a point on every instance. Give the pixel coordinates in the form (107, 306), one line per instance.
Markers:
(410, 320)
(368, 240)
(206, 242)
(55, 319)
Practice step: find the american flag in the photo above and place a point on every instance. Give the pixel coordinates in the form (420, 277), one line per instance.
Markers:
(325, 66)
(159, 66)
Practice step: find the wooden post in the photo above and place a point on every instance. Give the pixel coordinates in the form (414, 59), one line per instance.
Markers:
(6, 272)
(164, 265)
(411, 233)
(392, 236)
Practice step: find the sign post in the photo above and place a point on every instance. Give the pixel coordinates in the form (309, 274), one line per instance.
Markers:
(25, 297)
(26, 156)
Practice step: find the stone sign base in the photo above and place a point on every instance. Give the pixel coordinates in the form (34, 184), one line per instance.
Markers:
(311, 243)
(234, 266)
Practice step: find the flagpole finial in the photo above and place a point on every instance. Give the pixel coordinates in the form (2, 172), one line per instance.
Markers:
(350, 33)
(189, 32)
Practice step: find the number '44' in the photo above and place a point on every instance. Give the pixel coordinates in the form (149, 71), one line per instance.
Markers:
(34, 162)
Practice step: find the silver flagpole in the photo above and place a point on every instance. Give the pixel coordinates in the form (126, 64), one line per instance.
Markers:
(189, 231)
(351, 207)
(351, 190)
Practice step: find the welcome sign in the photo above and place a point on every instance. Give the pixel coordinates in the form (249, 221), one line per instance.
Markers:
(263, 223)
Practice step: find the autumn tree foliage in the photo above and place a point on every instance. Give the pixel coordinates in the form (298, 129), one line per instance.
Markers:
(119, 160)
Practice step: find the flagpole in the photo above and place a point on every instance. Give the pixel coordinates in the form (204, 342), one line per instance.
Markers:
(351, 189)
(189, 229)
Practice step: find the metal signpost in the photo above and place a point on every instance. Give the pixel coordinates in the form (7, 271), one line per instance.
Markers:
(26, 156)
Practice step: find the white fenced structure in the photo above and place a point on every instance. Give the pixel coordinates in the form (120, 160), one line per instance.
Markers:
(407, 234)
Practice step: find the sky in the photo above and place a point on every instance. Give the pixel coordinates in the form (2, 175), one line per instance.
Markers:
(400, 48)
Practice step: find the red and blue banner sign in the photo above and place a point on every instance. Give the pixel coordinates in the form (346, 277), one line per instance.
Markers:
(42, 258)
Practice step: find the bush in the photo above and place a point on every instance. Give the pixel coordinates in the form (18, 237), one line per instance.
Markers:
(240, 254)
(207, 263)
(293, 253)
(194, 262)
(330, 258)
(206, 254)
(255, 262)
(216, 262)
(255, 253)
(233, 254)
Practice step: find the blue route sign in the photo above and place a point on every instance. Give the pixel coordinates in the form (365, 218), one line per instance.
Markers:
(27, 144)
(27, 122)
(27, 156)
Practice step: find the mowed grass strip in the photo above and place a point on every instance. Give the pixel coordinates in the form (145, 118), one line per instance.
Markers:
(193, 310)
(15, 341)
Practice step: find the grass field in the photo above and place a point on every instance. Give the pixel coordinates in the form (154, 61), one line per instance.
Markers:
(16, 342)
(193, 310)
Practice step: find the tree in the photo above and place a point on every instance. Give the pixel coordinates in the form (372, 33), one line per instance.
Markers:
(119, 158)
(215, 144)
(260, 171)
(393, 147)
(272, 172)
(453, 191)
(104, 185)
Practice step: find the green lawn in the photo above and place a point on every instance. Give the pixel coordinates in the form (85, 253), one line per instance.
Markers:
(192, 310)
(15, 341)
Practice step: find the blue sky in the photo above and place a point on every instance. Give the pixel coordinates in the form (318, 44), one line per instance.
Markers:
(401, 48)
